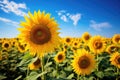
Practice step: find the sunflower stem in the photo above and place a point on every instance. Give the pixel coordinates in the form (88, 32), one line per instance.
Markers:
(43, 76)
(77, 76)
(57, 68)
(97, 62)
(27, 72)
(117, 71)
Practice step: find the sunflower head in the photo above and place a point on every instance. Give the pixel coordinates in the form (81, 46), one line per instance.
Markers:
(68, 40)
(76, 44)
(35, 65)
(40, 33)
(59, 57)
(83, 62)
(115, 59)
(6, 44)
(86, 37)
(21, 47)
(97, 44)
(116, 38)
(112, 48)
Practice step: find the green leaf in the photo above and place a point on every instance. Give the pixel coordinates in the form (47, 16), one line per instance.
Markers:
(62, 74)
(32, 76)
(54, 73)
(91, 78)
(47, 65)
(109, 69)
(70, 76)
(100, 74)
(69, 68)
(18, 78)
(43, 73)
(2, 77)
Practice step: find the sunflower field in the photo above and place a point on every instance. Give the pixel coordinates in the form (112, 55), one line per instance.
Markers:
(39, 53)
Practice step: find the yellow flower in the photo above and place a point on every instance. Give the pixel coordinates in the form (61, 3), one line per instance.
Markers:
(67, 40)
(112, 48)
(76, 44)
(86, 37)
(116, 38)
(21, 47)
(35, 65)
(83, 62)
(115, 59)
(40, 34)
(97, 44)
(6, 45)
(59, 57)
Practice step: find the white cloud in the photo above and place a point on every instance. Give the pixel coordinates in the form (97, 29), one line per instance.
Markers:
(11, 6)
(75, 18)
(8, 21)
(99, 26)
(64, 18)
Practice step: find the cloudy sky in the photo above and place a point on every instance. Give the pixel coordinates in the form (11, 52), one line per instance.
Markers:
(98, 17)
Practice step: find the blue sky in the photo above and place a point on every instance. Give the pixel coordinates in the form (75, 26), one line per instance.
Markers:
(98, 17)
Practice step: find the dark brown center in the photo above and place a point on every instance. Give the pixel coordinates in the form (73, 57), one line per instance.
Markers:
(37, 62)
(75, 43)
(117, 59)
(113, 49)
(40, 34)
(60, 57)
(21, 47)
(6, 45)
(98, 44)
(87, 37)
(83, 62)
(117, 39)
(68, 40)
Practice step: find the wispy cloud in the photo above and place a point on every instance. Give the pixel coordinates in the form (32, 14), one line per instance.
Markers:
(65, 16)
(75, 18)
(60, 12)
(10, 6)
(99, 26)
(8, 21)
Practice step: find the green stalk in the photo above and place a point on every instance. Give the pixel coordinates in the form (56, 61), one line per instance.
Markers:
(117, 71)
(97, 64)
(77, 76)
(42, 60)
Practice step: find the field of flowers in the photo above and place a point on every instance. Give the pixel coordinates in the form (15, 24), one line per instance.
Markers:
(39, 53)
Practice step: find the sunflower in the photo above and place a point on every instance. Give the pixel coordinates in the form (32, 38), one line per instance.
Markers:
(83, 62)
(21, 47)
(35, 65)
(107, 41)
(59, 57)
(112, 48)
(97, 44)
(75, 44)
(68, 41)
(13, 42)
(115, 59)
(86, 37)
(6, 45)
(39, 32)
(116, 38)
